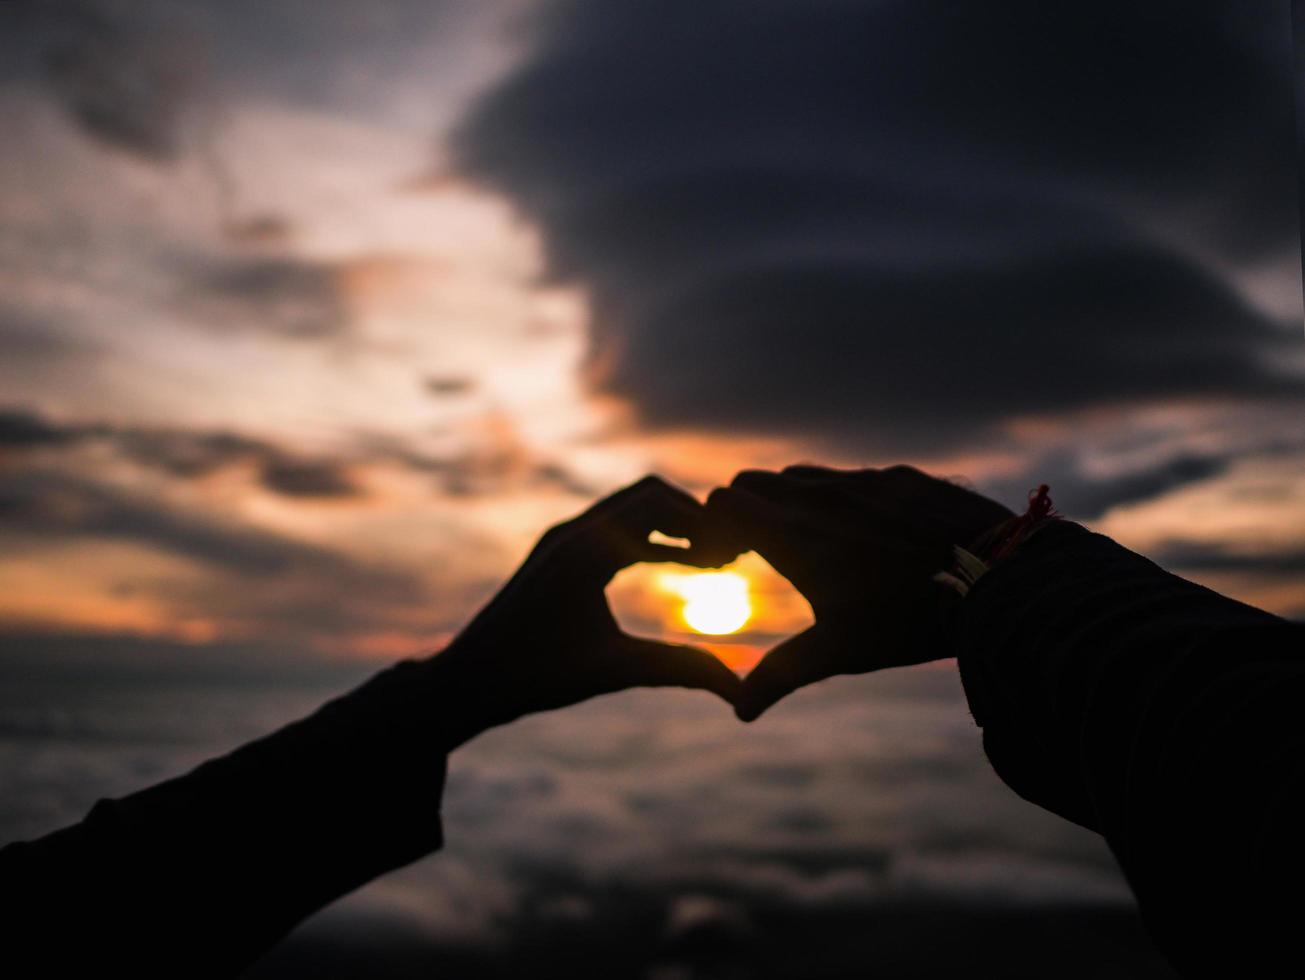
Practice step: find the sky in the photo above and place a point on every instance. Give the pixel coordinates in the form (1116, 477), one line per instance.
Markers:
(314, 314)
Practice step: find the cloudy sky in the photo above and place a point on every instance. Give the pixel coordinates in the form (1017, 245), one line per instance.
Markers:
(313, 314)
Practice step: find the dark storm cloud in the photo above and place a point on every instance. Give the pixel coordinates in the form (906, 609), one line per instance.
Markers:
(901, 222)
(862, 352)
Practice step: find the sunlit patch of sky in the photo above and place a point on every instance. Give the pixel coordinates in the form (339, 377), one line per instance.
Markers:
(297, 272)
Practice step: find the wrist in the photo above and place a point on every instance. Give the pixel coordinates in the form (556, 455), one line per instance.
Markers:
(462, 694)
(1012, 533)
(983, 543)
(421, 705)
(998, 543)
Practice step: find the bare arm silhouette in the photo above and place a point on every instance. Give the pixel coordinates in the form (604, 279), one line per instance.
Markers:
(1136, 703)
(198, 875)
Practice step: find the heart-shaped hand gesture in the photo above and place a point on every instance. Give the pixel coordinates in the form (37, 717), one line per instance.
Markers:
(862, 547)
(548, 638)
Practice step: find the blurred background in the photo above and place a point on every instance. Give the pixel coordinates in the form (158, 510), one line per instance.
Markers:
(314, 314)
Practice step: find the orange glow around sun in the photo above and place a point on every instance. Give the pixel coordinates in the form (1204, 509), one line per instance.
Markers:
(715, 603)
(736, 612)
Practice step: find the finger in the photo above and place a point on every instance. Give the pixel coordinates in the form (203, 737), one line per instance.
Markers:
(654, 664)
(801, 498)
(904, 473)
(650, 484)
(798, 661)
(736, 518)
(658, 506)
(613, 502)
(775, 487)
(780, 530)
(651, 551)
(651, 505)
(811, 472)
(903, 480)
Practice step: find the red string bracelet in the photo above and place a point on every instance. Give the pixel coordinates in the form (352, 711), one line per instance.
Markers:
(1039, 509)
(969, 567)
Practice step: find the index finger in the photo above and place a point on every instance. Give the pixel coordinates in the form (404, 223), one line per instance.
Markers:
(738, 520)
(627, 518)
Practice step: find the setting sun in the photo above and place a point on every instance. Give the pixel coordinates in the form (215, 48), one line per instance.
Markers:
(715, 603)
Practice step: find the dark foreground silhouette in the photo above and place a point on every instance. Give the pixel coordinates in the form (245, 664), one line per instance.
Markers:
(1141, 706)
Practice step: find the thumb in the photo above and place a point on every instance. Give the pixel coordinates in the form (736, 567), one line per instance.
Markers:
(798, 661)
(655, 664)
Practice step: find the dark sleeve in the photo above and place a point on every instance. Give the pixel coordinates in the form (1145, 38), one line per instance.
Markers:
(196, 876)
(1160, 714)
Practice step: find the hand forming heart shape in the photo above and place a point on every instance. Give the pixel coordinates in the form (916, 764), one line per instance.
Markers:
(861, 546)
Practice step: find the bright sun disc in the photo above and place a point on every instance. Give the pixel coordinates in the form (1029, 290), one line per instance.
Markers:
(715, 603)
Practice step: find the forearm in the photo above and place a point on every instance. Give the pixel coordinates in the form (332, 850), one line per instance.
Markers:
(200, 874)
(1150, 709)
(1072, 644)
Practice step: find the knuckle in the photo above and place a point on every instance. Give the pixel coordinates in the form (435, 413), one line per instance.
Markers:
(636, 489)
(805, 469)
(745, 477)
(902, 471)
(719, 497)
(555, 532)
(551, 539)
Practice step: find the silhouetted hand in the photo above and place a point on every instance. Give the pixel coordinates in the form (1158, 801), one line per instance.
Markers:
(861, 546)
(548, 639)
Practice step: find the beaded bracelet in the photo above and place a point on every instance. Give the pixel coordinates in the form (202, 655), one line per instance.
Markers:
(968, 567)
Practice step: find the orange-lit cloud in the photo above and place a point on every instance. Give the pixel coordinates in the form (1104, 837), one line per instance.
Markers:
(645, 604)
